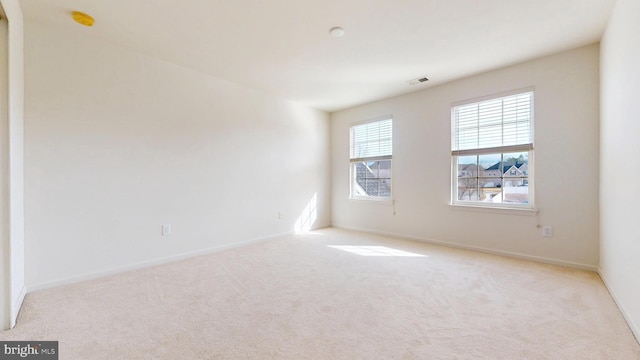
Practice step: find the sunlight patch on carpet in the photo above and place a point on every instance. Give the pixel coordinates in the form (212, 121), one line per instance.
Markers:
(375, 251)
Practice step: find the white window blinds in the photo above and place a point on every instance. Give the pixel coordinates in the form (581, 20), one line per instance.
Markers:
(504, 123)
(371, 141)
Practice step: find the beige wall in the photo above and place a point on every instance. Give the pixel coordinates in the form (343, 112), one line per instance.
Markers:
(5, 244)
(619, 146)
(118, 143)
(12, 289)
(566, 141)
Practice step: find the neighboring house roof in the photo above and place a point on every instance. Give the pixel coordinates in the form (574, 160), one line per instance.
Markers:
(469, 167)
(508, 165)
(513, 170)
(363, 172)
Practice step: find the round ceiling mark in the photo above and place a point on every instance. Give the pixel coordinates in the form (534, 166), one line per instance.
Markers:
(82, 18)
(336, 32)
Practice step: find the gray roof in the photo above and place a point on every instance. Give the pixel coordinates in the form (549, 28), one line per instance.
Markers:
(506, 165)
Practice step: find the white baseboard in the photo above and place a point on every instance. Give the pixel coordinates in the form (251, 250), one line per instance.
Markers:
(144, 264)
(15, 310)
(635, 329)
(475, 248)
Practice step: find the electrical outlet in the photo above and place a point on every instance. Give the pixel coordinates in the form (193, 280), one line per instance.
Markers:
(280, 215)
(166, 229)
(547, 231)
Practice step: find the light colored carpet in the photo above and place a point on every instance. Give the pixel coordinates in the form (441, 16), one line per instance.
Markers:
(300, 298)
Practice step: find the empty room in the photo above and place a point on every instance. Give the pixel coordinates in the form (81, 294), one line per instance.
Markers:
(319, 179)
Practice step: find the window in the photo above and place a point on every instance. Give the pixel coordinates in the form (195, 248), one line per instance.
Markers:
(492, 151)
(371, 148)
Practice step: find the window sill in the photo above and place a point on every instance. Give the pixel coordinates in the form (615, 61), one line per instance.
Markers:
(371, 201)
(496, 209)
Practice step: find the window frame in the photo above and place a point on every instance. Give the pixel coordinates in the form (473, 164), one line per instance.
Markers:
(353, 161)
(499, 150)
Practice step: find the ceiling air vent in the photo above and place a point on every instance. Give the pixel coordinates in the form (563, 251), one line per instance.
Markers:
(418, 81)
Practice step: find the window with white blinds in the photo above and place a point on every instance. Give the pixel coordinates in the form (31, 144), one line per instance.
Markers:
(504, 122)
(492, 151)
(371, 140)
(371, 146)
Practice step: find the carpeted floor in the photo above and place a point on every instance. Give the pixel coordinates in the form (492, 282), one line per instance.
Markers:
(334, 294)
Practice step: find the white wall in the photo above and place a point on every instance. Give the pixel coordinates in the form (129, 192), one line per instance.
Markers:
(5, 243)
(118, 143)
(566, 164)
(619, 146)
(12, 262)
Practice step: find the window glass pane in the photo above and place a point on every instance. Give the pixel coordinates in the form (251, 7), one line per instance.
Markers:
(385, 187)
(490, 181)
(516, 190)
(491, 165)
(490, 190)
(519, 157)
(468, 189)
(516, 164)
(467, 178)
(467, 166)
(372, 178)
(516, 181)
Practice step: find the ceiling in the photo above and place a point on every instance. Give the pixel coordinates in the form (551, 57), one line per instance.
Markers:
(283, 47)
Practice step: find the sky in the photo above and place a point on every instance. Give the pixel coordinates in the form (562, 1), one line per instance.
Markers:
(490, 159)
